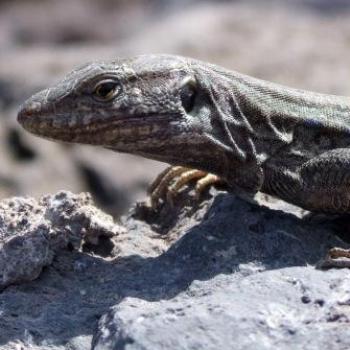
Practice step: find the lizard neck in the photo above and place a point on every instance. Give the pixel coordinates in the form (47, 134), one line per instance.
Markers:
(250, 120)
(268, 113)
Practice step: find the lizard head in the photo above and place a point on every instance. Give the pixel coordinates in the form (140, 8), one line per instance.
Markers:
(135, 105)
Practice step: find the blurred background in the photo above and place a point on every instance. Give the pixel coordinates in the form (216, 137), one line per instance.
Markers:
(301, 43)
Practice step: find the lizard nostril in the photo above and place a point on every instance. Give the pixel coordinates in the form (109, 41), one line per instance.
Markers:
(28, 110)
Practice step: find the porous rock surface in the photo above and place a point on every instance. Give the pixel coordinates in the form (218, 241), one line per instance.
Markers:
(225, 274)
(31, 232)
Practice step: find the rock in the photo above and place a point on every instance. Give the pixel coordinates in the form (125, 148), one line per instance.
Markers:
(32, 232)
(221, 274)
(276, 309)
(241, 277)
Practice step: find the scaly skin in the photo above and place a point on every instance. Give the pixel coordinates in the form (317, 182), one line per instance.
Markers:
(255, 135)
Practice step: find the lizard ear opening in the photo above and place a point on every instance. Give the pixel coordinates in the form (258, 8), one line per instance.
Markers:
(188, 93)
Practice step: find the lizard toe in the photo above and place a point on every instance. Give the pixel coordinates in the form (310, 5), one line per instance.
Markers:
(173, 180)
(336, 257)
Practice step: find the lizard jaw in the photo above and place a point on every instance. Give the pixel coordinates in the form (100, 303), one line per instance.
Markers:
(112, 132)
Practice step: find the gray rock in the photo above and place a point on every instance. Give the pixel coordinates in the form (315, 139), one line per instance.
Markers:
(243, 277)
(223, 274)
(293, 308)
(32, 232)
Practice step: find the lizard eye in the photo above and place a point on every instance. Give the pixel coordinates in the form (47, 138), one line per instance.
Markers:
(107, 89)
(188, 95)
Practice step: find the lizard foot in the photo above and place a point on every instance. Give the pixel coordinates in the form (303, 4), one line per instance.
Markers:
(173, 179)
(336, 257)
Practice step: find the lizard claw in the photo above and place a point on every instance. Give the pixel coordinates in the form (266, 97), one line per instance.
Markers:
(336, 257)
(173, 179)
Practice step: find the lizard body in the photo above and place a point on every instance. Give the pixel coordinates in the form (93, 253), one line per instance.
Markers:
(253, 134)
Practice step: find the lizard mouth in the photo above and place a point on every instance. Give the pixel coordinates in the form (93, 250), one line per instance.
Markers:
(96, 130)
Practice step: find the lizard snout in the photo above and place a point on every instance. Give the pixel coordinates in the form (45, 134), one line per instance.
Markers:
(28, 109)
(33, 107)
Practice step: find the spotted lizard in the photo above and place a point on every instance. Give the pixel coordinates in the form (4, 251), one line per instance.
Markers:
(212, 124)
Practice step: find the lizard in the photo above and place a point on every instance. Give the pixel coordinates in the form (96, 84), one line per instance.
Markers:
(211, 123)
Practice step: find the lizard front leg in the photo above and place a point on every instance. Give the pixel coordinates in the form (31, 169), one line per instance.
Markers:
(173, 179)
(326, 187)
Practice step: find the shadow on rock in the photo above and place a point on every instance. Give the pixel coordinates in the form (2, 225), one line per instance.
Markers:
(232, 237)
